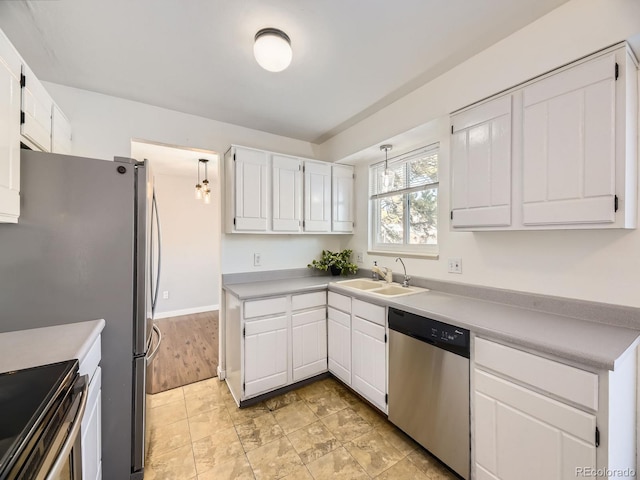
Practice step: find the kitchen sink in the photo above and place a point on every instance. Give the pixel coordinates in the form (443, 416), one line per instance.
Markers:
(360, 284)
(380, 288)
(394, 290)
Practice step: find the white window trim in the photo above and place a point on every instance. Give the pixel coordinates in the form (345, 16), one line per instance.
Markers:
(422, 251)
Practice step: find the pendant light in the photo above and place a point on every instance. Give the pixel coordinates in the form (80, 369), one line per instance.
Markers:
(202, 190)
(272, 49)
(387, 175)
(198, 185)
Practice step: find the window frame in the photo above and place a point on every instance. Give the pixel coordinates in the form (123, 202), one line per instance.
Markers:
(418, 250)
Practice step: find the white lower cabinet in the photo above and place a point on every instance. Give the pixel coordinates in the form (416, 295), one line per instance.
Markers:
(91, 426)
(357, 340)
(527, 436)
(339, 344)
(539, 418)
(265, 355)
(309, 334)
(369, 367)
(284, 340)
(339, 336)
(92, 431)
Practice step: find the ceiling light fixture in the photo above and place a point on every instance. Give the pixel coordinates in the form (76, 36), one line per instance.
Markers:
(202, 190)
(272, 49)
(387, 175)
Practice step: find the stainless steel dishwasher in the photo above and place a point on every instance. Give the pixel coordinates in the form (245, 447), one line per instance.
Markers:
(429, 385)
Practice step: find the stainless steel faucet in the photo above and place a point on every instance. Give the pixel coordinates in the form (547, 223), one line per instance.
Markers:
(405, 282)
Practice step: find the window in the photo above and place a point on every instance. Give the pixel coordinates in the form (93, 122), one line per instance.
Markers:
(403, 213)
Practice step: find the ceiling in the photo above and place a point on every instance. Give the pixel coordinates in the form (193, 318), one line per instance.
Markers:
(350, 58)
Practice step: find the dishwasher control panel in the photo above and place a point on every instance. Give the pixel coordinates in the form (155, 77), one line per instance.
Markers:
(443, 335)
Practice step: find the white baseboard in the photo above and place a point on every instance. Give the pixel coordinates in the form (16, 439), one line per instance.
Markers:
(186, 311)
(222, 374)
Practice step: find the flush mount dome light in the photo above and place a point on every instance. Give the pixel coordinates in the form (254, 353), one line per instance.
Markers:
(272, 49)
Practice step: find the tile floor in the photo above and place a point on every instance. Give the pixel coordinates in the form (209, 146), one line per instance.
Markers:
(320, 431)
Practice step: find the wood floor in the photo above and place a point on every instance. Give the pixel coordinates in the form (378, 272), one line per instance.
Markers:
(188, 352)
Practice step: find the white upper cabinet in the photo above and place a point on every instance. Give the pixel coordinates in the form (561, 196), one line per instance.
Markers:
(9, 132)
(250, 185)
(342, 198)
(570, 122)
(60, 132)
(481, 165)
(317, 197)
(267, 192)
(36, 111)
(286, 174)
(558, 152)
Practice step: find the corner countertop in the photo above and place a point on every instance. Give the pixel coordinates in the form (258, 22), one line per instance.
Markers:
(584, 342)
(41, 346)
(271, 288)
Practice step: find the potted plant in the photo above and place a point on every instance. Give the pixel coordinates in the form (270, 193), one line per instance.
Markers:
(336, 262)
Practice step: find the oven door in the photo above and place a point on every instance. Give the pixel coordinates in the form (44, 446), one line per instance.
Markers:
(64, 459)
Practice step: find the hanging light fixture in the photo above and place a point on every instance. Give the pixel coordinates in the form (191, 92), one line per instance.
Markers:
(387, 175)
(272, 49)
(202, 190)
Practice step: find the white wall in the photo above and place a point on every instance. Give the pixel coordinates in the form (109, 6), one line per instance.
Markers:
(190, 267)
(597, 265)
(285, 251)
(103, 127)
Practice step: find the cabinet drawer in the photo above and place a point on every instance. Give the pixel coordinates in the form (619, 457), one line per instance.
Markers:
(339, 317)
(341, 302)
(308, 300)
(310, 316)
(368, 311)
(268, 306)
(562, 380)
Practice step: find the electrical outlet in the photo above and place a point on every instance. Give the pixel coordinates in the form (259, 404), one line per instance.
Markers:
(359, 257)
(257, 259)
(455, 265)
(165, 294)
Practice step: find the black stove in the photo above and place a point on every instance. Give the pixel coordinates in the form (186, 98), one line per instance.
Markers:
(33, 403)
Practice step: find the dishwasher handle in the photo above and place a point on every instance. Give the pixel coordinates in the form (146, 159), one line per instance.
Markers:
(441, 335)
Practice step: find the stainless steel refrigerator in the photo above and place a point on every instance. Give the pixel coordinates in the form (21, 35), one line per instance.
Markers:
(86, 247)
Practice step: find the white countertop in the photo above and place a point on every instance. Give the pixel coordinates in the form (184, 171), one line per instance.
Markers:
(41, 346)
(585, 342)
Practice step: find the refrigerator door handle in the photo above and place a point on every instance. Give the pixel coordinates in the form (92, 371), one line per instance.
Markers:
(152, 354)
(154, 209)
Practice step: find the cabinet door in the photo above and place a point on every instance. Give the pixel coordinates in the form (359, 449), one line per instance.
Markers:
(309, 343)
(342, 198)
(339, 344)
(36, 107)
(60, 132)
(369, 361)
(287, 193)
(91, 430)
(9, 133)
(481, 165)
(250, 190)
(265, 355)
(522, 435)
(317, 197)
(569, 145)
